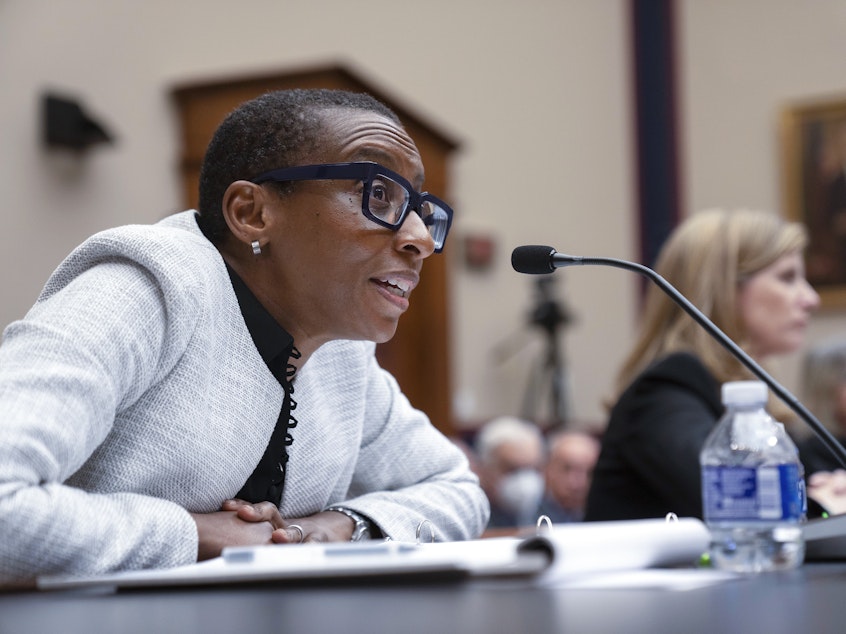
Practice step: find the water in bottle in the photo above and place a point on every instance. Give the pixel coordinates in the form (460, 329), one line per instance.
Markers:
(752, 486)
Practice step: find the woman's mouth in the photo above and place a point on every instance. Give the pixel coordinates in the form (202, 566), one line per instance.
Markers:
(400, 288)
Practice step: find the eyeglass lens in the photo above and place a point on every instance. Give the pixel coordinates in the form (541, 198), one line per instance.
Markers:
(388, 200)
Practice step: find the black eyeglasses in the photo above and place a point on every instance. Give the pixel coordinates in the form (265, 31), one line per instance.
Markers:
(387, 198)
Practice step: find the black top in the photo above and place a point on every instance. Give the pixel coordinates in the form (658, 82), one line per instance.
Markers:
(276, 346)
(649, 463)
(816, 456)
(272, 341)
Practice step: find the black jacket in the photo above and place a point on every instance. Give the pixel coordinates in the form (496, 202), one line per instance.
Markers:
(649, 463)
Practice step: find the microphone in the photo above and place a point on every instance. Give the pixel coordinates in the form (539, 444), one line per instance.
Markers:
(535, 259)
(538, 260)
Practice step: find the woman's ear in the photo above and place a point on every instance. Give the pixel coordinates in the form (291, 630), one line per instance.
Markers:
(244, 212)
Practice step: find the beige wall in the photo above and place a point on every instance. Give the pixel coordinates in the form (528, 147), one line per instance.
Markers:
(537, 91)
(744, 62)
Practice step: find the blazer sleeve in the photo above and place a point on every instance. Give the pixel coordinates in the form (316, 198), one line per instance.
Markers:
(409, 473)
(80, 355)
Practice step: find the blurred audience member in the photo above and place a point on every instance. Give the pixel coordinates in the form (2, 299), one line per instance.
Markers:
(568, 471)
(511, 455)
(824, 393)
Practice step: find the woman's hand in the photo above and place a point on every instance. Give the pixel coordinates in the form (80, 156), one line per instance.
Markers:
(326, 526)
(225, 528)
(828, 488)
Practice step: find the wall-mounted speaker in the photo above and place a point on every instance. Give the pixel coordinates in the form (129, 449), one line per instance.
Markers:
(66, 125)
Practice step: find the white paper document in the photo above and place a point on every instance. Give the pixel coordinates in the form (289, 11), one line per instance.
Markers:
(563, 552)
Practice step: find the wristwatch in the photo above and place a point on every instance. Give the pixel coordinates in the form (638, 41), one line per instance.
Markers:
(361, 531)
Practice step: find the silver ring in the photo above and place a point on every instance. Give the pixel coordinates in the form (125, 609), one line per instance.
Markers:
(299, 529)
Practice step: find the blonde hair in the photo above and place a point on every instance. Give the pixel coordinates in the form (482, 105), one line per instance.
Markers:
(707, 258)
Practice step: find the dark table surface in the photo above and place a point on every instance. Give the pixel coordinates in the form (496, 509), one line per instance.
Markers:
(810, 599)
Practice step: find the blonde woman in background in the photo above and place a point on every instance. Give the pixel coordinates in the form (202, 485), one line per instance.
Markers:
(745, 271)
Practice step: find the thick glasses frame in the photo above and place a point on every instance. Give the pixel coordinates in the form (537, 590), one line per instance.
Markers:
(366, 172)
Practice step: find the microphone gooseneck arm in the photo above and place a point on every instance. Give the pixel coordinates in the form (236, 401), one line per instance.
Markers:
(536, 259)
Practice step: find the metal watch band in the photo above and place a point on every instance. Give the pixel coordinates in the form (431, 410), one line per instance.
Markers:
(361, 531)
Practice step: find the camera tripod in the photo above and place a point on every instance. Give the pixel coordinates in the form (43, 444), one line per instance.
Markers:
(548, 379)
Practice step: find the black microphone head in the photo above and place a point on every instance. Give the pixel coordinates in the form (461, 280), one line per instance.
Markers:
(533, 259)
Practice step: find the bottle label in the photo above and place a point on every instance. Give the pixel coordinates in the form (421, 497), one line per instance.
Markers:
(767, 493)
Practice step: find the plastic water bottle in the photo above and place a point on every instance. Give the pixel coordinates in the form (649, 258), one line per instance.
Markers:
(752, 486)
(784, 437)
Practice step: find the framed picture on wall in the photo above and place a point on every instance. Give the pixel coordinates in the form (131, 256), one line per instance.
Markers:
(814, 143)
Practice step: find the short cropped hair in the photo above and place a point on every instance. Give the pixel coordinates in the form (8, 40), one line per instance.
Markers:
(278, 129)
(506, 429)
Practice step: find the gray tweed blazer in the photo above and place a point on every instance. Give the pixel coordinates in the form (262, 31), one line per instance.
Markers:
(131, 394)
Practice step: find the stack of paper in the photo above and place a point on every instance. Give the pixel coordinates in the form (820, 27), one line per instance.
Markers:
(558, 552)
